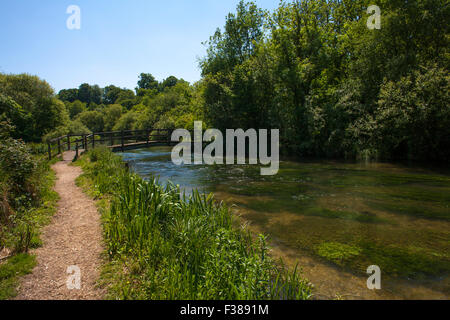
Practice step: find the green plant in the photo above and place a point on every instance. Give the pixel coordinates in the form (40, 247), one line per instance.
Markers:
(10, 272)
(173, 246)
(337, 252)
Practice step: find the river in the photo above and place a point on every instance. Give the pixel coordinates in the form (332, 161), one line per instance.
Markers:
(335, 219)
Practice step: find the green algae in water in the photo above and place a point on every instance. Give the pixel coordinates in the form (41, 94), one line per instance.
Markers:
(409, 262)
(346, 215)
(274, 206)
(351, 214)
(338, 252)
(418, 210)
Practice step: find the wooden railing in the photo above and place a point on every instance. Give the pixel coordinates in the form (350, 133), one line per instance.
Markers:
(113, 139)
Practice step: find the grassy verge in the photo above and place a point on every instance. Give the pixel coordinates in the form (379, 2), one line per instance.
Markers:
(164, 245)
(23, 214)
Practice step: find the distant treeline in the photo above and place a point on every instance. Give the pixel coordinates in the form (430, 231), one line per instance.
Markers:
(311, 68)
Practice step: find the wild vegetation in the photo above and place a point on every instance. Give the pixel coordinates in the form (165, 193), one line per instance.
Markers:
(27, 201)
(166, 245)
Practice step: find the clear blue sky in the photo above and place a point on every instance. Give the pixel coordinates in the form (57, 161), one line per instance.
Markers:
(117, 41)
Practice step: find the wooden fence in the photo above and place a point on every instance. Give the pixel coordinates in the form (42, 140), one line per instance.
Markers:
(116, 140)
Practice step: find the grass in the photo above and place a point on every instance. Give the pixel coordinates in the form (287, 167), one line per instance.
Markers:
(165, 245)
(10, 272)
(23, 230)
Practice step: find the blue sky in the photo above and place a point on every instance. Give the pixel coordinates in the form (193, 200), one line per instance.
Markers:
(117, 41)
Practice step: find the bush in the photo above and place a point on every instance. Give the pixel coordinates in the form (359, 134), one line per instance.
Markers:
(10, 110)
(25, 184)
(75, 127)
(16, 160)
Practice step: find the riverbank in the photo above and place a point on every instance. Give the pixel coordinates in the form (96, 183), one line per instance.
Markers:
(335, 219)
(163, 245)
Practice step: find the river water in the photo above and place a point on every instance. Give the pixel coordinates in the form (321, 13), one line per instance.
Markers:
(335, 219)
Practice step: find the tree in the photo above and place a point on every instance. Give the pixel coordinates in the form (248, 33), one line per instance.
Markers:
(111, 94)
(92, 120)
(89, 94)
(69, 95)
(15, 158)
(44, 112)
(413, 116)
(146, 82)
(75, 108)
(315, 71)
(111, 115)
(168, 83)
(127, 99)
(229, 85)
(127, 121)
(78, 128)
(10, 110)
(75, 127)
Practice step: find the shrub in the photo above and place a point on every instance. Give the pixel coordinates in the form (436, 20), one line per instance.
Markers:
(16, 160)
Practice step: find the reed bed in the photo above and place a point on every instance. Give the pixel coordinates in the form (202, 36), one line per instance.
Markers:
(166, 245)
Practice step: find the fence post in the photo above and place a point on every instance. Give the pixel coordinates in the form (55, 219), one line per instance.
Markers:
(122, 140)
(76, 151)
(49, 151)
(59, 146)
(85, 143)
(93, 140)
(68, 142)
(111, 138)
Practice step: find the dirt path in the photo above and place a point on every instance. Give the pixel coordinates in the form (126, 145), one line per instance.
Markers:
(73, 238)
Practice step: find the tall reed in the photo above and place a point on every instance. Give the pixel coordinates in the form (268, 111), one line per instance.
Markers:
(183, 247)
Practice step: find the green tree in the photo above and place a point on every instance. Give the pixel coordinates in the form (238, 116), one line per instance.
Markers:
(168, 83)
(43, 110)
(126, 121)
(412, 118)
(15, 157)
(75, 108)
(90, 94)
(127, 99)
(92, 120)
(69, 95)
(111, 94)
(146, 82)
(111, 115)
(10, 110)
